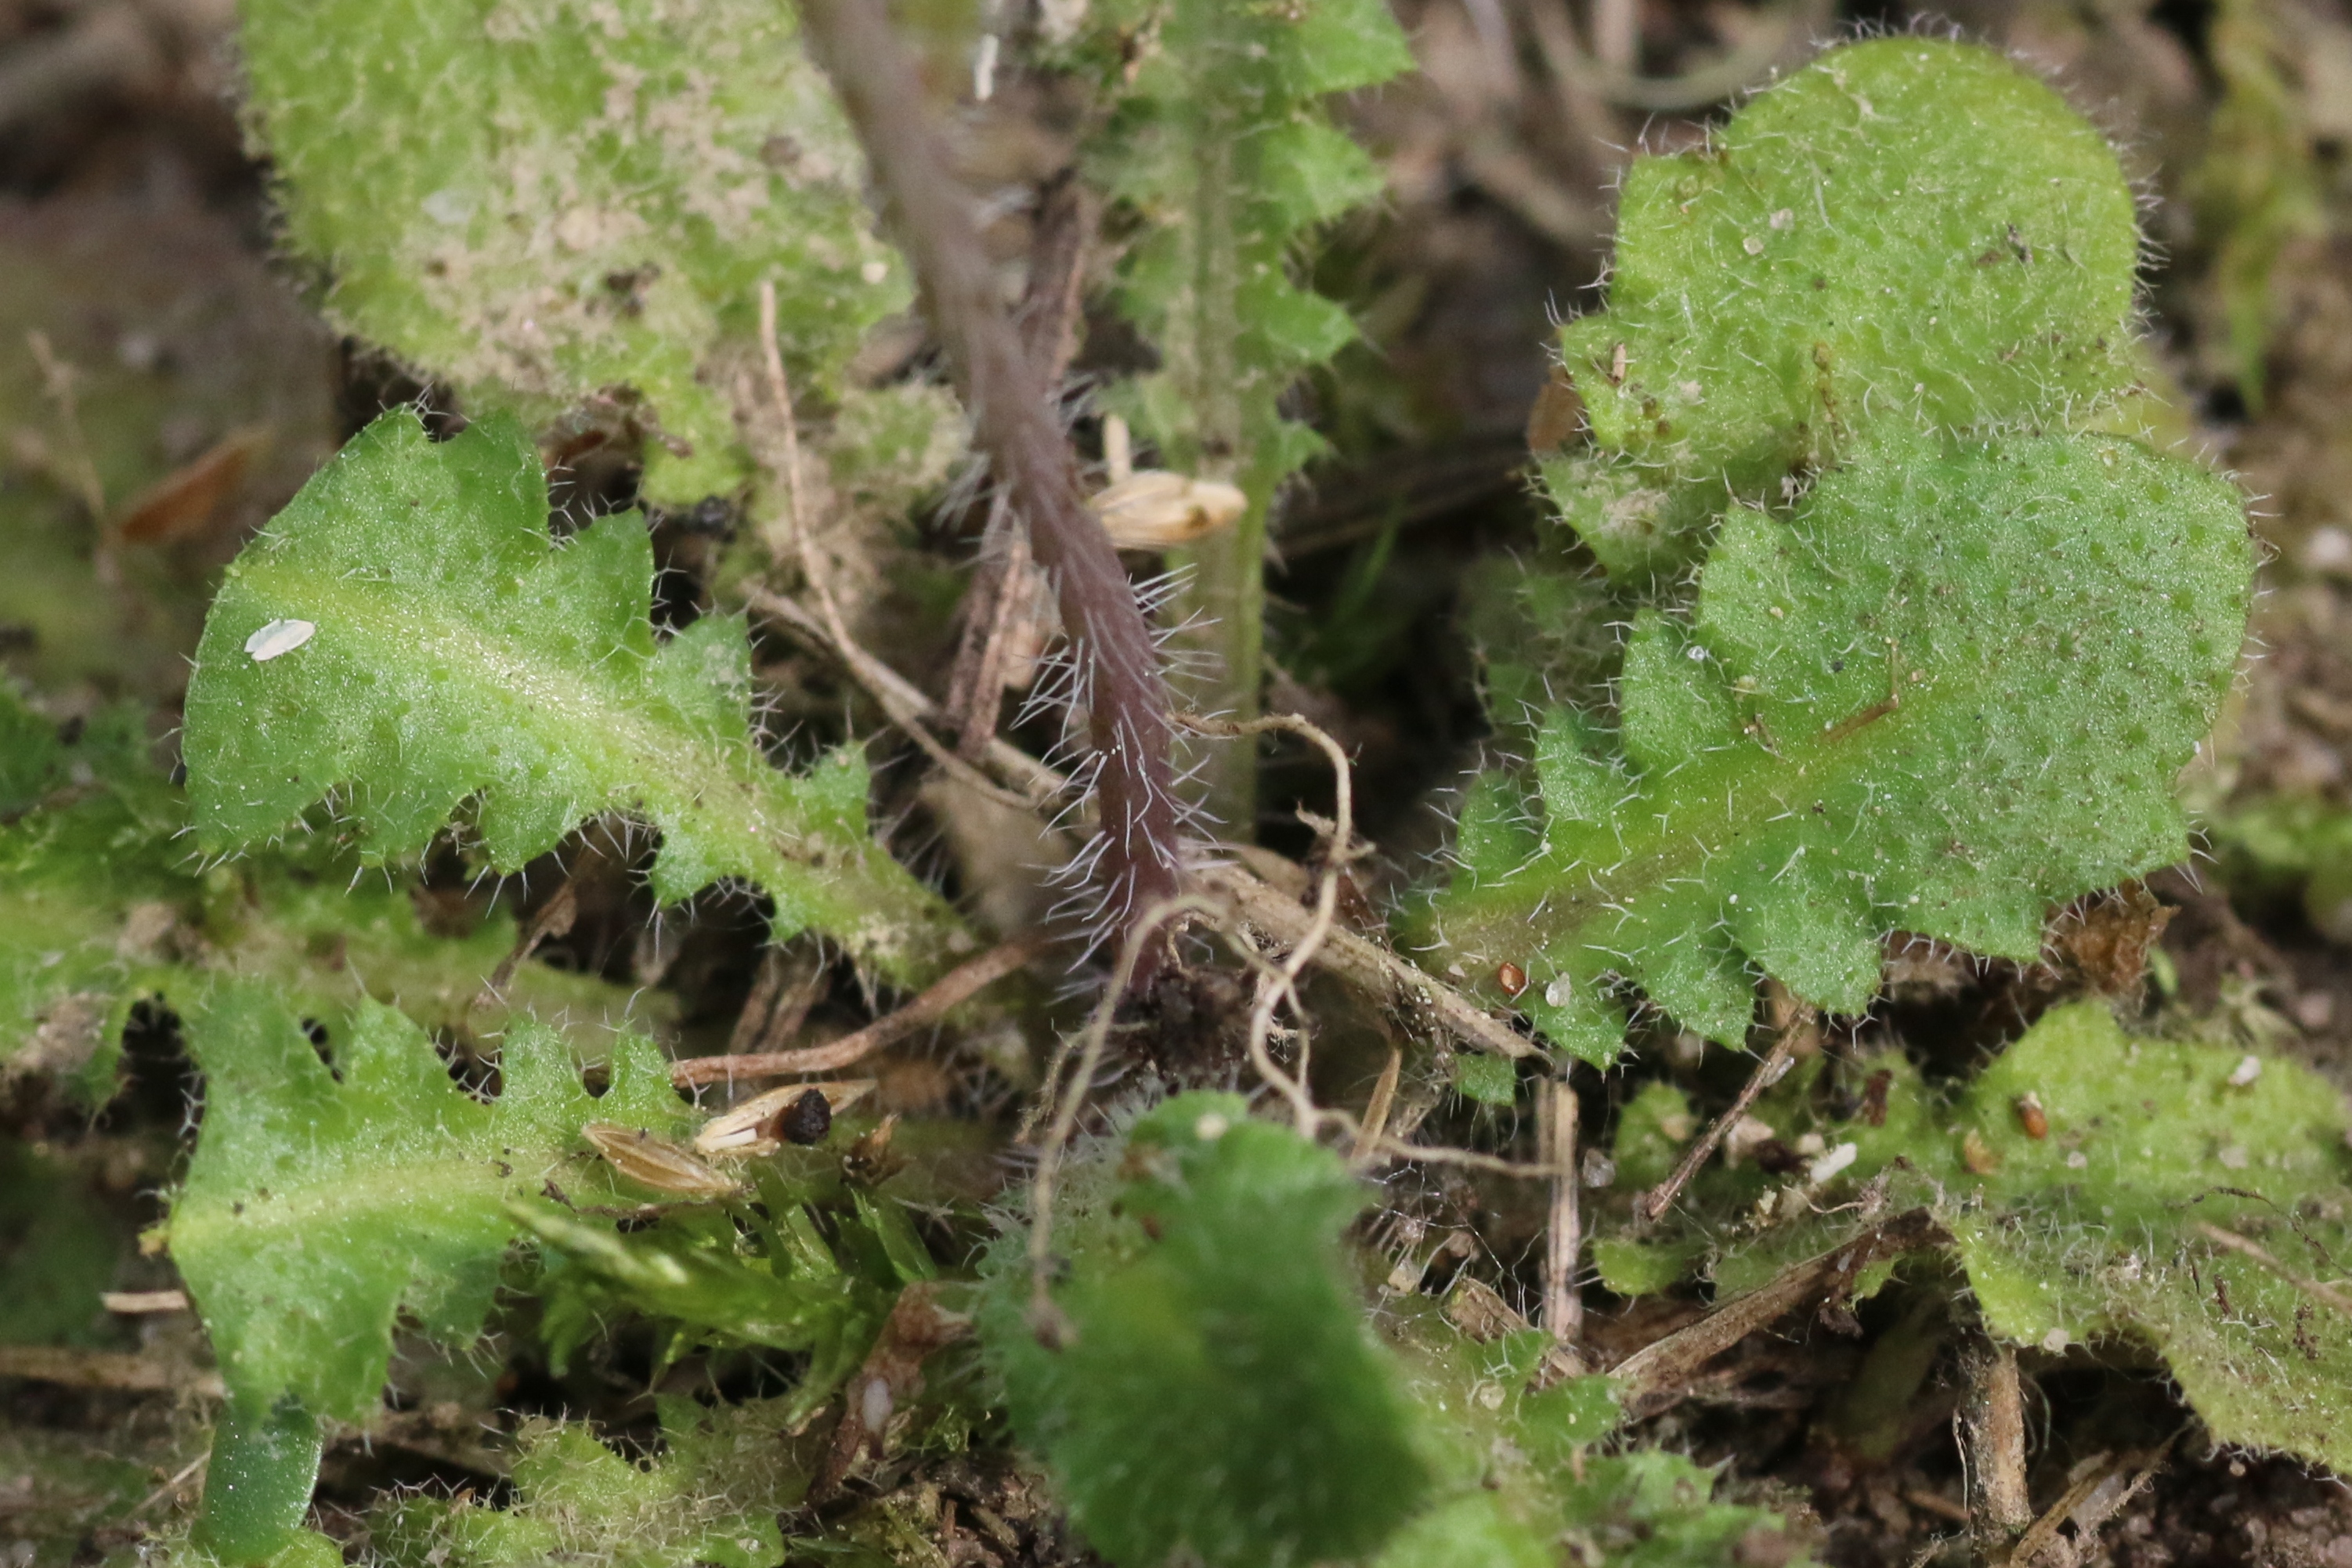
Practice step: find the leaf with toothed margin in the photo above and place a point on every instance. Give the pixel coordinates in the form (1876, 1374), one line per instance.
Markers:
(1951, 689)
(328, 1196)
(456, 650)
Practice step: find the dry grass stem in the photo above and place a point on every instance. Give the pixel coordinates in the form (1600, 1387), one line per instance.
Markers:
(956, 985)
(1655, 1376)
(1555, 1118)
(1377, 1108)
(126, 1370)
(1993, 1445)
(1792, 1023)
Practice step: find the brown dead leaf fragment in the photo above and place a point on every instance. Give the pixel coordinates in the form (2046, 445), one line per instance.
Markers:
(2103, 942)
(183, 503)
(892, 1375)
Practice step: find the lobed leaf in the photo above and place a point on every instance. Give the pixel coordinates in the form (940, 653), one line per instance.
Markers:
(1908, 233)
(454, 648)
(335, 1188)
(2185, 1197)
(1221, 144)
(1220, 1396)
(2106, 1226)
(546, 202)
(1518, 1474)
(1951, 689)
(101, 906)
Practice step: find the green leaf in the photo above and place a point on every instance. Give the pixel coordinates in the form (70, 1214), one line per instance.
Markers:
(1908, 233)
(1651, 1132)
(2102, 1227)
(258, 1485)
(1220, 1395)
(457, 649)
(1519, 1481)
(1488, 1080)
(712, 1498)
(547, 203)
(2187, 1197)
(60, 1248)
(1951, 689)
(102, 903)
(325, 1200)
(1631, 1267)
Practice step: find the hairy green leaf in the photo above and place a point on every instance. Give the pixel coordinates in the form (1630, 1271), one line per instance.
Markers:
(102, 903)
(549, 203)
(439, 644)
(1907, 232)
(1518, 1475)
(2118, 1223)
(1951, 689)
(712, 1498)
(1219, 1395)
(2185, 1197)
(257, 1487)
(337, 1186)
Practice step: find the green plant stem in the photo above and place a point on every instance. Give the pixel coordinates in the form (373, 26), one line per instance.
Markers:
(258, 1483)
(1226, 593)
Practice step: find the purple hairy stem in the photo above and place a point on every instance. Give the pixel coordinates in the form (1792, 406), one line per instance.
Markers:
(1005, 391)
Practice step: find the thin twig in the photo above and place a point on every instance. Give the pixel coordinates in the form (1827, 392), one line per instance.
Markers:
(1273, 989)
(856, 658)
(1002, 385)
(554, 919)
(1794, 1020)
(187, 1472)
(1653, 1377)
(1563, 1306)
(954, 987)
(1067, 1102)
(1365, 964)
(127, 1370)
(1785, 28)
(1037, 786)
(2090, 1502)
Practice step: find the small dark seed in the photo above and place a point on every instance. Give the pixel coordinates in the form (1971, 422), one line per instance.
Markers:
(1512, 978)
(806, 1119)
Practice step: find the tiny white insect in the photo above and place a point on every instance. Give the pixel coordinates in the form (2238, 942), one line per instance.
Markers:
(277, 638)
(1833, 1162)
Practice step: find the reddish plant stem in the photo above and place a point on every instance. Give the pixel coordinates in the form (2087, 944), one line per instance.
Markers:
(1005, 392)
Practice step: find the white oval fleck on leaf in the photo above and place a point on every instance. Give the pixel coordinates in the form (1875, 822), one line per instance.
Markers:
(278, 637)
